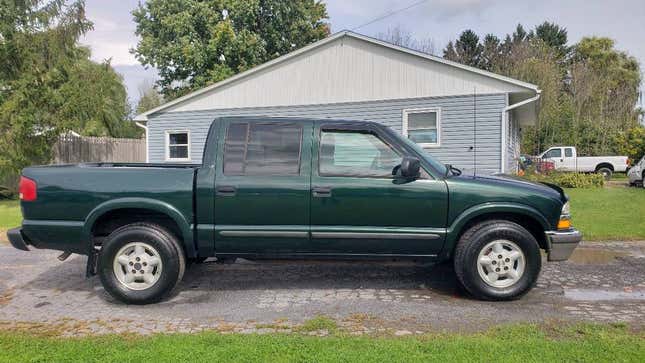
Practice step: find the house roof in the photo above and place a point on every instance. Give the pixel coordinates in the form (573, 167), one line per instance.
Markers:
(523, 85)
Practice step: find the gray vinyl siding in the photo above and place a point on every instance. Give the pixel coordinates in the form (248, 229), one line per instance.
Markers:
(457, 125)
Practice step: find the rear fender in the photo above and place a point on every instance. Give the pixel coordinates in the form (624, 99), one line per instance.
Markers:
(141, 203)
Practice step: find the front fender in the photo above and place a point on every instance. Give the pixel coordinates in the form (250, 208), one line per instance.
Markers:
(455, 228)
(141, 203)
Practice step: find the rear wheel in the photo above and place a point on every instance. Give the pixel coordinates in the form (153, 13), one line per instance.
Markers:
(141, 263)
(497, 260)
(605, 172)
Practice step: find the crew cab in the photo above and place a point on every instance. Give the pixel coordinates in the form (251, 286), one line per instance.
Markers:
(291, 188)
(566, 158)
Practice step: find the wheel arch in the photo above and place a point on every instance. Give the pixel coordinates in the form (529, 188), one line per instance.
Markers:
(524, 215)
(610, 166)
(151, 208)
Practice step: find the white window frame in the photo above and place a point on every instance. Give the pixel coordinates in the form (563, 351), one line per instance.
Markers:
(167, 148)
(404, 127)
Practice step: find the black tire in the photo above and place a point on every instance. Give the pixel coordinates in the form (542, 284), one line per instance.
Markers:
(606, 172)
(170, 252)
(475, 239)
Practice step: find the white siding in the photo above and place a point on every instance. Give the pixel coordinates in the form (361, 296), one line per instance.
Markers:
(347, 69)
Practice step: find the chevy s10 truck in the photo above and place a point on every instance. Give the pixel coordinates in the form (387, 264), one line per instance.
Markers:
(289, 188)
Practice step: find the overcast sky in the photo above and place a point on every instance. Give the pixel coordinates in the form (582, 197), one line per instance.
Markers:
(439, 20)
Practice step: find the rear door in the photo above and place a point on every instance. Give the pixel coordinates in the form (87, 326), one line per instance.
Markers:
(262, 186)
(359, 208)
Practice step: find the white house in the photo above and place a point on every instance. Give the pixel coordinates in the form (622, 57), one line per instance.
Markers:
(462, 115)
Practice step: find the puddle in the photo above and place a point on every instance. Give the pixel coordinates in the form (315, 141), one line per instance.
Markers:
(594, 256)
(602, 295)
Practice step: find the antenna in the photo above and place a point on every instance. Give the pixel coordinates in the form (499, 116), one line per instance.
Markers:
(474, 131)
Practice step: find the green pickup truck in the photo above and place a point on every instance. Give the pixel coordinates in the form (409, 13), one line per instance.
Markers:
(292, 188)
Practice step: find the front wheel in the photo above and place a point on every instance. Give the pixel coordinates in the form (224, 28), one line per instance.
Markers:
(497, 260)
(141, 263)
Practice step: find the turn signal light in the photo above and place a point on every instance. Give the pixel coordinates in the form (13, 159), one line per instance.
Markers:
(27, 189)
(564, 224)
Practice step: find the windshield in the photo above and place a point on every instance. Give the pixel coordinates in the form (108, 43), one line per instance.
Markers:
(441, 168)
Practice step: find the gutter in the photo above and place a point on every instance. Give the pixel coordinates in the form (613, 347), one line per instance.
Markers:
(505, 123)
(145, 128)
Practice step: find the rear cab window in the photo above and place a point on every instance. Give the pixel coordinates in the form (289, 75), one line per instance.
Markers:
(263, 148)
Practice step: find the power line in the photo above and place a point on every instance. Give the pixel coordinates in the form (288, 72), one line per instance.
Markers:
(390, 14)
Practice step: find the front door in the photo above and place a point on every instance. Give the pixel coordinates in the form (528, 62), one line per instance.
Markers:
(554, 155)
(262, 187)
(359, 208)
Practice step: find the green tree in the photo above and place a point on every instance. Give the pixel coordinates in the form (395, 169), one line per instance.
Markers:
(466, 50)
(194, 43)
(48, 83)
(149, 98)
(491, 52)
(553, 35)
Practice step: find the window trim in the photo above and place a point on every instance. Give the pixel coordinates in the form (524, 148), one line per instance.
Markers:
(249, 125)
(358, 131)
(167, 148)
(404, 124)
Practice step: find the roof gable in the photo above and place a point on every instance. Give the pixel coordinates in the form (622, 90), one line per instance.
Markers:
(345, 67)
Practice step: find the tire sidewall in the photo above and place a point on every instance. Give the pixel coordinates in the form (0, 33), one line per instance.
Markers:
(524, 240)
(167, 252)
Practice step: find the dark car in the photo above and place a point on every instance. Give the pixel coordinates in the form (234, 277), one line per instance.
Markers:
(275, 188)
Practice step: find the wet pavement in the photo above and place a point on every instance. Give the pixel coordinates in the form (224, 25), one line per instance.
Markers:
(603, 282)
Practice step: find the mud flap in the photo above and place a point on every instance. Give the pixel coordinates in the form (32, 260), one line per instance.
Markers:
(92, 260)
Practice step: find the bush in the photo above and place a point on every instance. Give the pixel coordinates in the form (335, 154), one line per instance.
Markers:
(6, 193)
(568, 180)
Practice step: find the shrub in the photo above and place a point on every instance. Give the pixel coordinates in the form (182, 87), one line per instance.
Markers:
(568, 180)
(6, 193)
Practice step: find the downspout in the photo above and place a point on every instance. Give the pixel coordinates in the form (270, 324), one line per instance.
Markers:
(505, 123)
(145, 128)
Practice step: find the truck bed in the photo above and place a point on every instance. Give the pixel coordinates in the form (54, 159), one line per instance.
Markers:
(69, 194)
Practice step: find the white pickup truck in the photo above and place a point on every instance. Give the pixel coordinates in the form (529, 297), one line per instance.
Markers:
(565, 158)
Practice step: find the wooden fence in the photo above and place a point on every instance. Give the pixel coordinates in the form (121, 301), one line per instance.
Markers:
(71, 149)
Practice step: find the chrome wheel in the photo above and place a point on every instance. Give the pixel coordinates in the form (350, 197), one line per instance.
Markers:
(137, 266)
(501, 263)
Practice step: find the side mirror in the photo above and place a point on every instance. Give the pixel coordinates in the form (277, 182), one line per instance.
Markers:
(410, 167)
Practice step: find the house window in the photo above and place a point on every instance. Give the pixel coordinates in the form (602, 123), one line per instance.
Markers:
(177, 145)
(423, 126)
(262, 149)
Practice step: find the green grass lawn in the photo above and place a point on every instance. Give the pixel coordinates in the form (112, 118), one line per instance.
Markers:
(9, 214)
(612, 213)
(526, 343)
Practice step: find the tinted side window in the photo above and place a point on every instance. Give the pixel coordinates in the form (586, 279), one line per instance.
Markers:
(262, 149)
(568, 152)
(555, 153)
(347, 153)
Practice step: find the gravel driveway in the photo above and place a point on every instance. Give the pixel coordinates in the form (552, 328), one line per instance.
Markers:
(605, 282)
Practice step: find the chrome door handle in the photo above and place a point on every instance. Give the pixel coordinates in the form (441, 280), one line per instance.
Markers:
(321, 192)
(226, 191)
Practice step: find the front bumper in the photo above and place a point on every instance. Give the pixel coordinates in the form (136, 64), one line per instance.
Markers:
(562, 244)
(17, 239)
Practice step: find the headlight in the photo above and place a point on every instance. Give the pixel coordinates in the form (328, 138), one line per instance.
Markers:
(566, 209)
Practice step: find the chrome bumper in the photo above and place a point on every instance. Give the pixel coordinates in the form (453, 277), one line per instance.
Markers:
(562, 244)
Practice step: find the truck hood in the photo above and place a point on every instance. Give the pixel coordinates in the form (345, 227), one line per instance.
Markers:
(517, 182)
